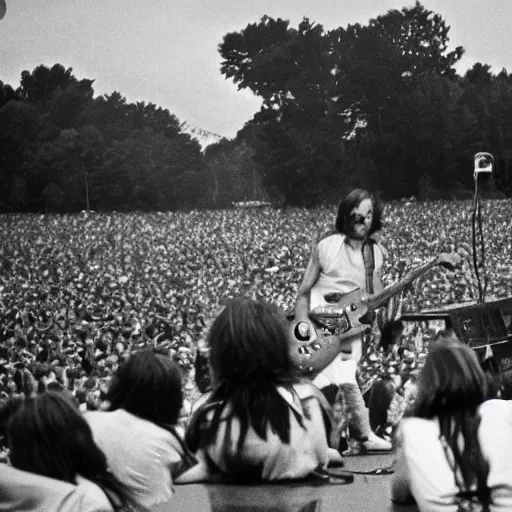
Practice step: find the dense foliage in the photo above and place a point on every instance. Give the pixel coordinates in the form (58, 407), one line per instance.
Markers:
(378, 105)
(58, 144)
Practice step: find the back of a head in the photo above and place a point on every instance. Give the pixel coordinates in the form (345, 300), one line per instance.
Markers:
(450, 380)
(249, 360)
(148, 385)
(248, 343)
(47, 435)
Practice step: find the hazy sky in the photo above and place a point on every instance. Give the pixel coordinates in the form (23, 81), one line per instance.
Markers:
(165, 51)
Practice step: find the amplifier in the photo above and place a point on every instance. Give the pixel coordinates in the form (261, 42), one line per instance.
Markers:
(478, 325)
(483, 324)
(487, 324)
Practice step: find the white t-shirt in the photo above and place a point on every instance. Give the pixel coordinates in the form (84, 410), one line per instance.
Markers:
(430, 478)
(139, 453)
(21, 490)
(276, 460)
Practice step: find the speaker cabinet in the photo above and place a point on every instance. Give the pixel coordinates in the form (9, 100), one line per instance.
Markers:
(480, 326)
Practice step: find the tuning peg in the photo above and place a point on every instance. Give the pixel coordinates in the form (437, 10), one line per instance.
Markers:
(304, 351)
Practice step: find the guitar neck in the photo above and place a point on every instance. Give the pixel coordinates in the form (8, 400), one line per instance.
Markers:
(394, 289)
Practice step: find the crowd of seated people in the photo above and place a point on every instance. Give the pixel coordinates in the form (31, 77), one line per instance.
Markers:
(259, 422)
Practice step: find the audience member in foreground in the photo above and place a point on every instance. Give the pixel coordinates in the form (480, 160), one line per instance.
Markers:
(21, 490)
(137, 432)
(260, 422)
(455, 450)
(47, 435)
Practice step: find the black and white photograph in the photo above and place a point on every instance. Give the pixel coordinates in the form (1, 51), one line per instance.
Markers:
(255, 256)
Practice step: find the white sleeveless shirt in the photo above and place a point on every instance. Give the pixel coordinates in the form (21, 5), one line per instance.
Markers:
(341, 268)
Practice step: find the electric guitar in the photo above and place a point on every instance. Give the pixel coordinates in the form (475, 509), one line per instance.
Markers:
(343, 317)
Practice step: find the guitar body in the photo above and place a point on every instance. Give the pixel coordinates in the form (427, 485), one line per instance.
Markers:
(342, 317)
(335, 325)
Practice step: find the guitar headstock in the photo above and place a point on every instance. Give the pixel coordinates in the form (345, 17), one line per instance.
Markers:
(450, 260)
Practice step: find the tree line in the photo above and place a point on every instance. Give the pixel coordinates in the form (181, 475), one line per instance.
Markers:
(61, 148)
(377, 105)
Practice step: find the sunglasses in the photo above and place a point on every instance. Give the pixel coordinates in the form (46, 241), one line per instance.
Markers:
(357, 218)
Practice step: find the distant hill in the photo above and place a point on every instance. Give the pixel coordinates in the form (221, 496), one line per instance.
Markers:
(204, 137)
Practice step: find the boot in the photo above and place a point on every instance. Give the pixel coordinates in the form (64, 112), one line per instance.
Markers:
(363, 439)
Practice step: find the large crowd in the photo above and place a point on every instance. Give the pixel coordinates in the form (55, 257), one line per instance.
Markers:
(79, 293)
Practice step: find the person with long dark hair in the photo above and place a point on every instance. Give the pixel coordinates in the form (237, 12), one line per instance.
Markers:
(260, 422)
(137, 431)
(455, 450)
(47, 435)
(345, 260)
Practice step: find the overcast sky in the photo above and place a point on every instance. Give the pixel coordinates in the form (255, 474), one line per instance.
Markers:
(165, 51)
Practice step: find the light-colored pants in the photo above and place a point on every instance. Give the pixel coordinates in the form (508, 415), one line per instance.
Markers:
(342, 373)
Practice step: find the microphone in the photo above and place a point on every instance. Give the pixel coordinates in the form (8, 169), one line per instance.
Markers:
(483, 163)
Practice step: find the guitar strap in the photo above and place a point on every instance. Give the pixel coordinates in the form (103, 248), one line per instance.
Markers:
(369, 264)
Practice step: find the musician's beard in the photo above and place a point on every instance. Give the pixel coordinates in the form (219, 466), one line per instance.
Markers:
(359, 232)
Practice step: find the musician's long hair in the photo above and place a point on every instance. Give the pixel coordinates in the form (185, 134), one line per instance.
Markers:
(351, 201)
(47, 435)
(249, 358)
(451, 387)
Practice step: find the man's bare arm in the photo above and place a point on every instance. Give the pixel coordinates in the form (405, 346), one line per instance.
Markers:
(378, 285)
(308, 281)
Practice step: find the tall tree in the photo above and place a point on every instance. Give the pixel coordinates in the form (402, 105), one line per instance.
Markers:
(231, 173)
(6, 93)
(20, 124)
(378, 64)
(321, 90)
(37, 86)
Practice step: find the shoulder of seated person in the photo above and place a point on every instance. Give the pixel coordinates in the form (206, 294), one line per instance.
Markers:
(495, 408)
(93, 497)
(124, 419)
(16, 481)
(305, 389)
(119, 416)
(413, 426)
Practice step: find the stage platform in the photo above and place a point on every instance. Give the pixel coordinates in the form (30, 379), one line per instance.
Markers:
(368, 493)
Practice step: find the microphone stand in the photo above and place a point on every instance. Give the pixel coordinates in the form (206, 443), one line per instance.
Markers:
(483, 165)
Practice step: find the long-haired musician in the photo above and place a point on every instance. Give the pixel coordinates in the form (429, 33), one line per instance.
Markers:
(339, 263)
